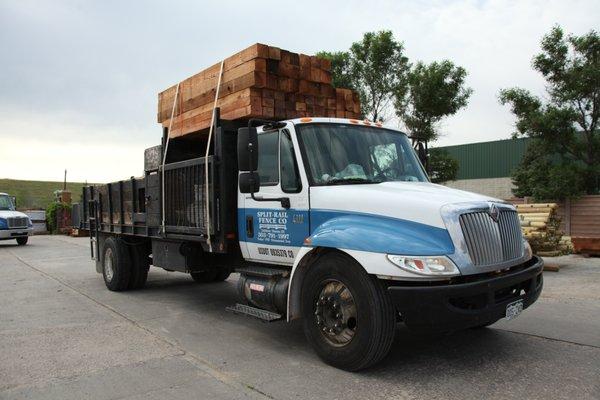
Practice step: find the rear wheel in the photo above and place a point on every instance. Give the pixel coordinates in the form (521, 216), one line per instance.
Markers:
(116, 264)
(204, 276)
(347, 315)
(211, 275)
(222, 274)
(22, 241)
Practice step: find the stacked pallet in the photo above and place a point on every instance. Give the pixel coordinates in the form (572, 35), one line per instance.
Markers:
(541, 228)
(258, 82)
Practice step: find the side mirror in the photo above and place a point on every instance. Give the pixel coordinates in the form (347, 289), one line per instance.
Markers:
(247, 150)
(249, 182)
(14, 201)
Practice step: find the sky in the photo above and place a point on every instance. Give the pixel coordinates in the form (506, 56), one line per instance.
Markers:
(79, 79)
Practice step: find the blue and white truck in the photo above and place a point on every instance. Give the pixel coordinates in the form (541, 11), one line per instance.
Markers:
(14, 225)
(332, 221)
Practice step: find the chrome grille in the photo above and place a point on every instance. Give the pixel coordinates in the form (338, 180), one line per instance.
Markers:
(17, 222)
(490, 242)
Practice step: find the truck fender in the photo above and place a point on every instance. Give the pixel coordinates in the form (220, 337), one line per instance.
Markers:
(367, 239)
(304, 258)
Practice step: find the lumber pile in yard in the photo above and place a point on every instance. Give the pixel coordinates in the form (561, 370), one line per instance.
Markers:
(541, 228)
(258, 82)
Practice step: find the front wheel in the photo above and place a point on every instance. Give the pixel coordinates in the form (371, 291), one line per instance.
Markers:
(347, 314)
(22, 241)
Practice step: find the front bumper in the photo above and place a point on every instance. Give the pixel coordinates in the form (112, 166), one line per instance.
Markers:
(7, 234)
(456, 306)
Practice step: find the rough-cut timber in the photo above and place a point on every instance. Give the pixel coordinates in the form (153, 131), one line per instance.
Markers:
(259, 81)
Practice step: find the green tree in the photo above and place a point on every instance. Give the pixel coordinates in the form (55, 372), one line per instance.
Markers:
(566, 124)
(540, 176)
(433, 92)
(442, 166)
(340, 68)
(378, 67)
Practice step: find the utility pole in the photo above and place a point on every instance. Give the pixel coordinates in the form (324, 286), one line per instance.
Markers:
(65, 181)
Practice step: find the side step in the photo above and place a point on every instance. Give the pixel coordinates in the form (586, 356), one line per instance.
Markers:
(262, 271)
(263, 315)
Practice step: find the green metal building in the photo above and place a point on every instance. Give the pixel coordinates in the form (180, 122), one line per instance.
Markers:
(486, 167)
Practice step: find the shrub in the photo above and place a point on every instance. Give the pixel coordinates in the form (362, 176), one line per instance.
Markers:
(51, 214)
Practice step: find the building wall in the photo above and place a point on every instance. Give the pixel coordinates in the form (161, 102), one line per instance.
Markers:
(499, 188)
(495, 159)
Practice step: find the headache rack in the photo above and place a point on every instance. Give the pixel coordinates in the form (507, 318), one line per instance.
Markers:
(134, 206)
(185, 199)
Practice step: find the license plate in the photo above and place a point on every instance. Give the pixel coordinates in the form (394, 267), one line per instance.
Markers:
(514, 309)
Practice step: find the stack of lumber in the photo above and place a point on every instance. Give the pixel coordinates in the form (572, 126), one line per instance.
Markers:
(541, 228)
(258, 82)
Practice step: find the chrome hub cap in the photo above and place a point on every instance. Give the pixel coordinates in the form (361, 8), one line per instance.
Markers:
(108, 265)
(335, 313)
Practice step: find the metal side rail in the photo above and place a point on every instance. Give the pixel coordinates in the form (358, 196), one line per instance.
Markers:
(263, 315)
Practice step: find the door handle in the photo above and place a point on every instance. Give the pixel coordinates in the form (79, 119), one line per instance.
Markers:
(249, 226)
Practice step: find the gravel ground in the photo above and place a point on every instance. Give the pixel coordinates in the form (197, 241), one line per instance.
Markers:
(63, 335)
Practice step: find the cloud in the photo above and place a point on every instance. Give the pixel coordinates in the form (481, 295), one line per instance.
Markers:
(41, 146)
(85, 74)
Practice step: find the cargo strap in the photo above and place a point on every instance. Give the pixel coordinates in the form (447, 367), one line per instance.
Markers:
(210, 132)
(165, 157)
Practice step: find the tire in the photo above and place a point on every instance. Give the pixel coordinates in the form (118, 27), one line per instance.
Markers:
(140, 264)
(371, 331)
(222, 274)
(116, 264)
(207, 276)
(22, 241)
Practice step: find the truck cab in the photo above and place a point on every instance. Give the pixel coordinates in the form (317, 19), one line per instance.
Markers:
(331, 221)
(14, 225)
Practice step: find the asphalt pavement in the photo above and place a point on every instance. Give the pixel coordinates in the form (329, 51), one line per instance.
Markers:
(63, 335)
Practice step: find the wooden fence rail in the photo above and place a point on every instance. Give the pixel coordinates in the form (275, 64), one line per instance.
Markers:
(579, 217)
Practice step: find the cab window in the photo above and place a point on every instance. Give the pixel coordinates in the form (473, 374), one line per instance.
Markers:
(268, 158)
(290, 179)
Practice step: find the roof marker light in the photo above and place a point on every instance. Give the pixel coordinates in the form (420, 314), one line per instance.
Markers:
(305, 119)
(366, 122)
(354, 121)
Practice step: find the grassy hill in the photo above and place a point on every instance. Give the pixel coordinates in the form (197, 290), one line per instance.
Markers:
(37, 194)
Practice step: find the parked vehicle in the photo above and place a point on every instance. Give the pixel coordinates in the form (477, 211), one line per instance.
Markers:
(332, 221)
(13, 224)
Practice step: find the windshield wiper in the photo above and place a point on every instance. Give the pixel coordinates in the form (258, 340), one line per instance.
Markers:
(342, 181)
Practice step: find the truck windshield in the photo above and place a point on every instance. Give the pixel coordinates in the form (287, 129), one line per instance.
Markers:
(6, 203)
(343, 154)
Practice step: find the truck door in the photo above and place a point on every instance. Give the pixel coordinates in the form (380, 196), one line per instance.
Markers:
(269, 232)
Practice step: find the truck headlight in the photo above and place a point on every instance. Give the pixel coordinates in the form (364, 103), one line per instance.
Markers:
(3, 223)
(430, 266)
